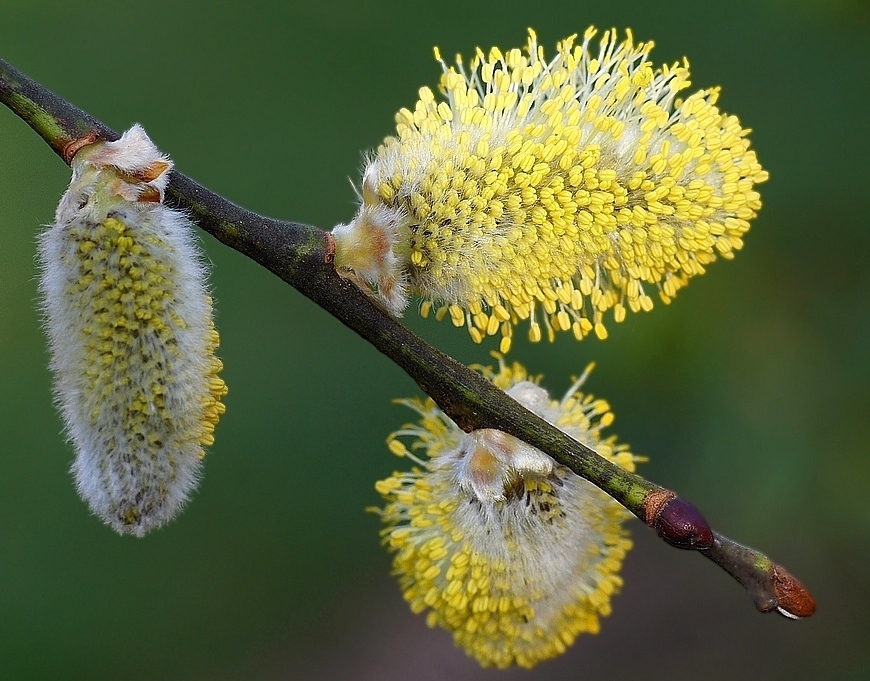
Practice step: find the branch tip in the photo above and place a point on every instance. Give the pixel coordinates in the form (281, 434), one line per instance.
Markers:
(793, 599)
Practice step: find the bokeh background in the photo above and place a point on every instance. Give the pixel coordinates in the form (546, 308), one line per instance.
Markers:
(750, 393)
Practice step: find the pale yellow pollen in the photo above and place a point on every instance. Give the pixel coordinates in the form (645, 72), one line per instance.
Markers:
(533, 181)
(125, 311)
(479, 574)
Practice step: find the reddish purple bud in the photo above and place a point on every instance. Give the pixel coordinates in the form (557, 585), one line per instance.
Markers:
(681, 525)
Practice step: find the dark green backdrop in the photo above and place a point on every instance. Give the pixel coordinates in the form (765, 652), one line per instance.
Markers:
(749, 393)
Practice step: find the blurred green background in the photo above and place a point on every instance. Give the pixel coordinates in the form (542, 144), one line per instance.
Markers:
(750, 393)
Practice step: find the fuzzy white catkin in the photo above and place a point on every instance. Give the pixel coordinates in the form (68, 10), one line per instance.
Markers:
(129, 321)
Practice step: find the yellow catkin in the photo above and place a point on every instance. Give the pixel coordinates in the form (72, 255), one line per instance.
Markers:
(512, 553)
(532, 179)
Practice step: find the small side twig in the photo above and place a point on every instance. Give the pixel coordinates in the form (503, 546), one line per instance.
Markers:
(302, 256)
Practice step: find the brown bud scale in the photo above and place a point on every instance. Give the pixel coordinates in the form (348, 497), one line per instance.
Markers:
(71, 148)
(329, 251)
(653, 503)
(794, 601)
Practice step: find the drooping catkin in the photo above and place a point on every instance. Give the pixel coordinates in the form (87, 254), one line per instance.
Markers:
(510, 552)
(132, 339)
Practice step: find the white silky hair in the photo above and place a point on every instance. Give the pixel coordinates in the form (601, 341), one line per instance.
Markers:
(548, 552)
(133, 481)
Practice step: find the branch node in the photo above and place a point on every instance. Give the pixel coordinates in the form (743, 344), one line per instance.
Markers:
(329, 254)
(653, 503)
(71, 148)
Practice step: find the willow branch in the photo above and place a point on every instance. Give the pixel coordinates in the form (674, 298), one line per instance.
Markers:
(302, 256)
